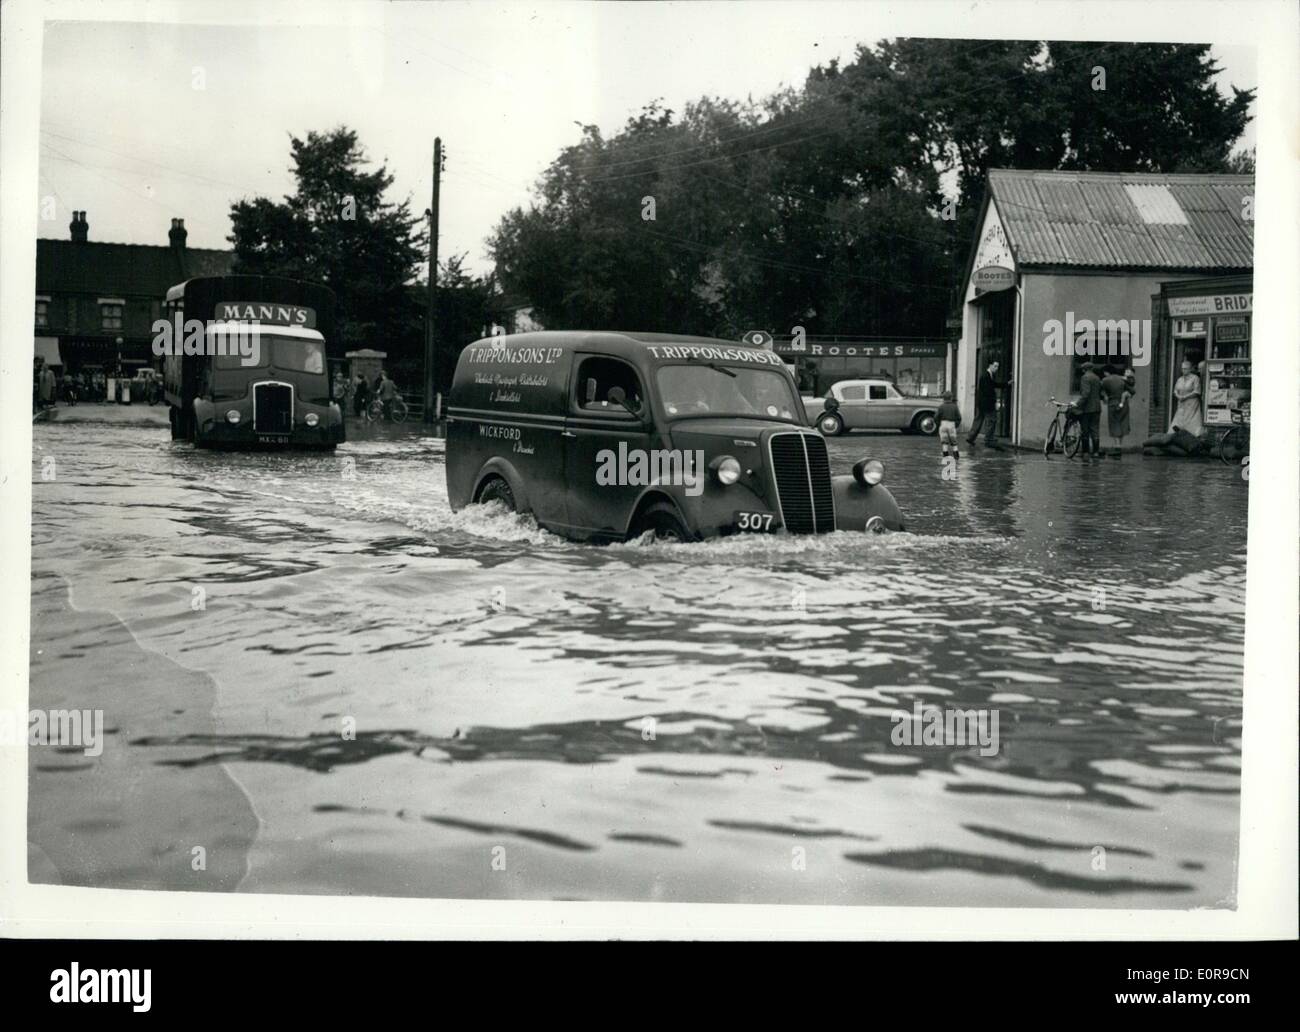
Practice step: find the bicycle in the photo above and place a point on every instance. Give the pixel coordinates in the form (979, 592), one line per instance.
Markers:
(1234, 445)
(376, 410)
(1064, 432)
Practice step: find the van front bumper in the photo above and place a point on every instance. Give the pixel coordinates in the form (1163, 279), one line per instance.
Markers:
(217, 431)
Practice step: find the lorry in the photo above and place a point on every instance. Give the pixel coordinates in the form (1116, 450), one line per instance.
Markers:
(244, 363)
(612, 436)
(871, 404)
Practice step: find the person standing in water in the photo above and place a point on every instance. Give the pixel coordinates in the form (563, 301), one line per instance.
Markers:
(1115, 393)
(1090, 412)
(949, 416)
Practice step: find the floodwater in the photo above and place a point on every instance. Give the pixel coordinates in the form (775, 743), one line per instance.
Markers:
(317, 678)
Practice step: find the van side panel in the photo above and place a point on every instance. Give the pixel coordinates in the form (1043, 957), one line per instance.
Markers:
(507, 407)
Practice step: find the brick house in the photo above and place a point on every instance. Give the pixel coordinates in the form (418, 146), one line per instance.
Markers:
(96, 302)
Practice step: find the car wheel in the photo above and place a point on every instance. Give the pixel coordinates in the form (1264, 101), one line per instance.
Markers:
(926, 424)
(661, 518)
(497, 490)
(830, 424)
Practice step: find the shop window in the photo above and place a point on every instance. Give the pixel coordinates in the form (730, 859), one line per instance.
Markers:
(1109, 349)
(110, 317)
(930, 378)
(42, 312)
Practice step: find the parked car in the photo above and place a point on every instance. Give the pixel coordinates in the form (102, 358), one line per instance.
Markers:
(606, 437)
(870, 405)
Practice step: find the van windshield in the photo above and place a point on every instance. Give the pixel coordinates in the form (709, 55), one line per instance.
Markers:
(713, 389)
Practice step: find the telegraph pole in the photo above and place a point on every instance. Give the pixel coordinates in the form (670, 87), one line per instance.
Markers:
(430, 331)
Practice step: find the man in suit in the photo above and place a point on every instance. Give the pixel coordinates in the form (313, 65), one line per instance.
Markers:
(1090, 412)
(986, 407)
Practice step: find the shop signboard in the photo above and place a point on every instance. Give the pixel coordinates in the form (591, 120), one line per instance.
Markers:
(1210, 304)
(992, 278)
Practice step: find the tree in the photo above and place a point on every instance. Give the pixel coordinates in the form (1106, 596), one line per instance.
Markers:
(824, 206)
(338, 229)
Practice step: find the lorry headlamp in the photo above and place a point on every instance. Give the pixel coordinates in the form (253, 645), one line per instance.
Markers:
(726, 469)
(311, 419)
(869, 472)
(232, 416)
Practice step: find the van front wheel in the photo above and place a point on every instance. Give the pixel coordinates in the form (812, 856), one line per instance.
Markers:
(497, 490)
(663, 520)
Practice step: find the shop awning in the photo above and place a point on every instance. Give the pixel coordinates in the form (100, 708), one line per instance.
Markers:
(48, 349)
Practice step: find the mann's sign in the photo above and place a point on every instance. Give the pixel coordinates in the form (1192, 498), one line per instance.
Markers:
(267, 313)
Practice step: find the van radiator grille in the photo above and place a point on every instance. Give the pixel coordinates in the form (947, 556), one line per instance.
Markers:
(273, 408)
(802, 470)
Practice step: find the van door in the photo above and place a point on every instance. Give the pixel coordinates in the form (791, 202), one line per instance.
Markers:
(601, 436)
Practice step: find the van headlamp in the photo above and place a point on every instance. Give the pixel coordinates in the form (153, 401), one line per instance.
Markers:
(869, 472)
(726, 469)
(311, 419)
(232, 416)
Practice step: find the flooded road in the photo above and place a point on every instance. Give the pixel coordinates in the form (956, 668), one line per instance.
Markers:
(316, 674)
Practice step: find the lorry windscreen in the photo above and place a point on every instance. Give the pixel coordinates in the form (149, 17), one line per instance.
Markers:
(289, 354)
(698, 389)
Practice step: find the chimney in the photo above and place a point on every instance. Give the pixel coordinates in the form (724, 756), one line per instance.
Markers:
(176, 235)
(78, 227)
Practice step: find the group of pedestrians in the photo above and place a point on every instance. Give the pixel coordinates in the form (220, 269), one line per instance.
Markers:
(364, 392)
(1101, 386)
(1104, 385)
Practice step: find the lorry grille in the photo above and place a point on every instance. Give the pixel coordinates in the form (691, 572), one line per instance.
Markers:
(273, 408)
(802, 471)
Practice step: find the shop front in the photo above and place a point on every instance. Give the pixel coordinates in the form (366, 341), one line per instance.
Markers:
(1111, 269)
(1206, 322)
(917, 366)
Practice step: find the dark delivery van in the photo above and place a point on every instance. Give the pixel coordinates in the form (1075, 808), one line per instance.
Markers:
(606, 436)
(244, 362)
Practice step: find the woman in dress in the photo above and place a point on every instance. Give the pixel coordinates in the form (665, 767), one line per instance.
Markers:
(1186, 428)
(1187, 392)
(1115, 392)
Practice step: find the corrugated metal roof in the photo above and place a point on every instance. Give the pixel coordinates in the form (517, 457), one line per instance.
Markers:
(1093, 219)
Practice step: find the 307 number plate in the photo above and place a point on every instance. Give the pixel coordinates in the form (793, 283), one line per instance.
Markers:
(762, 522)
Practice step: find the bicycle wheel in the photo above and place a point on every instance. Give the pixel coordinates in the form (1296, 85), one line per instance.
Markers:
(1070, 439)
(1049, 445)
(1234, 445)
(376, 411)
(399, 410)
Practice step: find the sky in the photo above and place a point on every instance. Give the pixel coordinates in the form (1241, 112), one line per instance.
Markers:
(145, 122)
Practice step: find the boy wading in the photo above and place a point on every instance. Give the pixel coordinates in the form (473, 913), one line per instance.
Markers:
(949, 416)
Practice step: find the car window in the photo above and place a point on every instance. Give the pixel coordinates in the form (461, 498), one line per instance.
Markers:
(856, 392)
(597, 376)
(878, 392)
